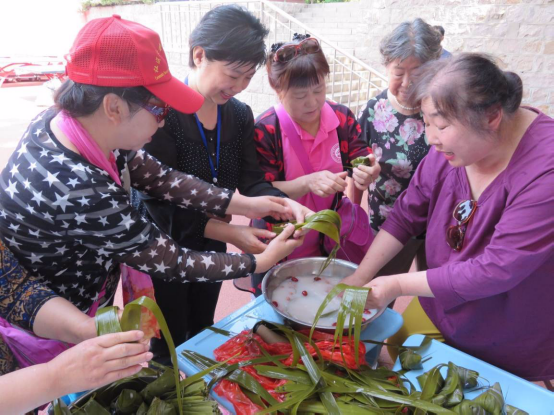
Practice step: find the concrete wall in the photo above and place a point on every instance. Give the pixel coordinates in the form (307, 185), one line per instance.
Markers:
(146, 14)
(259, 95)
(519, 32)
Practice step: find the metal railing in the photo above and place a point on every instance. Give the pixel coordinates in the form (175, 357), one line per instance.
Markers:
(351, 81)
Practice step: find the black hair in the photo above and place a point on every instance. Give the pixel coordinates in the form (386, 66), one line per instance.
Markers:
(467, 87)
(80, 100)
(439, 29)
(230, 33)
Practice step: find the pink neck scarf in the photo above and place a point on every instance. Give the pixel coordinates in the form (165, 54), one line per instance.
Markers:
(86, 145)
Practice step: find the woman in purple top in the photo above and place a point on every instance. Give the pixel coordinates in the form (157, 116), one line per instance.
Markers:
(485, 195)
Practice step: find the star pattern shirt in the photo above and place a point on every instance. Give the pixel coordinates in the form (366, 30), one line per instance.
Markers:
(71, 225)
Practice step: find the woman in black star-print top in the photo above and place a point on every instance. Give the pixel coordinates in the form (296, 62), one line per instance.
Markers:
(72, 225)
(223, 60)
(70, 222)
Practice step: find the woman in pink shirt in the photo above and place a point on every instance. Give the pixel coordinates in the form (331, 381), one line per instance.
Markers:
(329, 134)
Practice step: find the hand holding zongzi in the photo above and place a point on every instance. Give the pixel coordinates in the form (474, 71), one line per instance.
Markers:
(365, 172)
(324, 183)
(88, 365)
(278, 248)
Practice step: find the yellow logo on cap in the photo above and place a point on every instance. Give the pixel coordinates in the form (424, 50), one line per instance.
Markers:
(158, 60)
(164, 73)
(156, 69)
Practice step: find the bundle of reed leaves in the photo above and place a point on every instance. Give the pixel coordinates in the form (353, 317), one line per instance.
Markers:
(167, 394)
(316, 386)
(327, 222)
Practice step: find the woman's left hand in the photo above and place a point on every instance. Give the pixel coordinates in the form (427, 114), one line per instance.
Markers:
(384, 290)
(364, 175)
(300, 213)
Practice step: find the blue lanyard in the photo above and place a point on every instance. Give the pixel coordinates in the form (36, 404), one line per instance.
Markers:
(215, 170)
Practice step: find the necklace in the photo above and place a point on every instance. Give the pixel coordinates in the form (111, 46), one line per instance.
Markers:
(403, 107)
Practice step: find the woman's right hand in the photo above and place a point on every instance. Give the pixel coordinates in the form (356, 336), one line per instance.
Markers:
(278, 248)
(247, 239)
(324, 183)
(99, 361)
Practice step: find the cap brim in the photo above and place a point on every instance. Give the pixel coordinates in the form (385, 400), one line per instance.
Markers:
(177, 95)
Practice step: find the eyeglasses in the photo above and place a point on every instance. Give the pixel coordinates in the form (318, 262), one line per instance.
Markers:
(463, 212)
(159, 112)
(288, 52)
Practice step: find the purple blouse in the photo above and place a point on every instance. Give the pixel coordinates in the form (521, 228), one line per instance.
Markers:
(494, 299)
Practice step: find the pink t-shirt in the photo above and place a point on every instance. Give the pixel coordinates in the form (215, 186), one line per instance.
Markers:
(323, 151)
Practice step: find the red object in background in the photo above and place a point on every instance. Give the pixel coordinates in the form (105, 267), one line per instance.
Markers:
(247, 346)
(233, 393)
(42, 71)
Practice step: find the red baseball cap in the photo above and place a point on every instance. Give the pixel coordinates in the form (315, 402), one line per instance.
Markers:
(115, 52)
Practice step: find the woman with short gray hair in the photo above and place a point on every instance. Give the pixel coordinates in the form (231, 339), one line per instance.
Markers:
(394, 128)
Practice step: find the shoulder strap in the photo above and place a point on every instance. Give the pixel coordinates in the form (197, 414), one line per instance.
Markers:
(295, 141)
(343, 135)
(294, 138)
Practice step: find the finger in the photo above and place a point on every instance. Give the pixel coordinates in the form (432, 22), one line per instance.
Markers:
(363, 168)
(128, 361)
(362, 178)
(110, 340)
(258, 247)
(335, 187)
(340, 180)
(360, 186)
(326, 190)
(295, 243)
(263, 233)
(360, 175)
(342, 174)
(287, 232)
(299, 216)
(124, 350)
(372, 159)
(120, 374)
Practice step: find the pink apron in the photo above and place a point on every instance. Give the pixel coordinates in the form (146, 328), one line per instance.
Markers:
(324, 153)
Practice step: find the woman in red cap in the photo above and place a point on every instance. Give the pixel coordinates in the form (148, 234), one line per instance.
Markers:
(64, 204)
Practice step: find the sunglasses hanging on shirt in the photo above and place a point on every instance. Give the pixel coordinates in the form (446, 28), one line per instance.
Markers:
(463, 212)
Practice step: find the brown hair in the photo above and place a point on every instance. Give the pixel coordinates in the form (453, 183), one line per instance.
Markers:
(466, 87)
(300, 72)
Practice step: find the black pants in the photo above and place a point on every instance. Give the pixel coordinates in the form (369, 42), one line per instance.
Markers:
(188, 309)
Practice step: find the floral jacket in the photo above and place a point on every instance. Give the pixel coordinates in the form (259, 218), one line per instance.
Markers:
(399, 144)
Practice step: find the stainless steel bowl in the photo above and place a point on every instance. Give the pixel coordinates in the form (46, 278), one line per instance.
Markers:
(305, 266)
